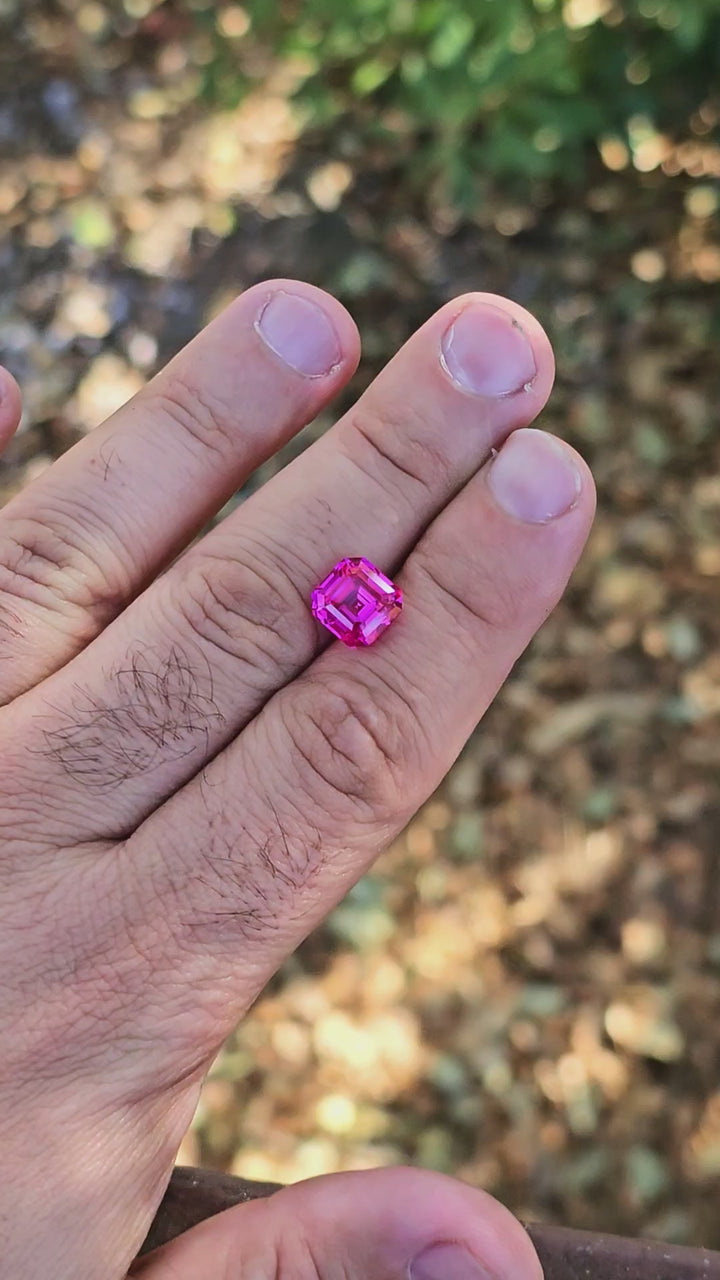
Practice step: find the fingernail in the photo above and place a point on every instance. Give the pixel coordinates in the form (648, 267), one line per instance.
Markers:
(486, 352)
(447, 1262)
(300, 333)
(534, 477)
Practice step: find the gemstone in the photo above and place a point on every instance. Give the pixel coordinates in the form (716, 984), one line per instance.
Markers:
(356, 602)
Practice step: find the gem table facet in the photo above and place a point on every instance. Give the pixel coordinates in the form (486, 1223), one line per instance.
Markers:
(356, 602)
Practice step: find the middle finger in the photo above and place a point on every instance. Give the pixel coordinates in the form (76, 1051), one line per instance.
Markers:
(194, 659)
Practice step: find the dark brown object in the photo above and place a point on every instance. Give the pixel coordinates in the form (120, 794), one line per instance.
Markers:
(196, 1194)
(585, 1255)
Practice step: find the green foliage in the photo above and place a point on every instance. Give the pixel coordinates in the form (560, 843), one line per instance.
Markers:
(517, 89)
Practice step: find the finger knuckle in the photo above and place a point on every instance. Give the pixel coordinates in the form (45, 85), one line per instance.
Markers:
(202, 417)
(398, 446)
(287, 1255)
(352, 750)
(488, 604)
(296, 1256)
(50, 562)
(248, 611)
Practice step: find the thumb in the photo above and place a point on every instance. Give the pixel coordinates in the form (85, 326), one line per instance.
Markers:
(383, 1224)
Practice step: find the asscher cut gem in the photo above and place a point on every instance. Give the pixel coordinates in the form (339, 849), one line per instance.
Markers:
(356, 602)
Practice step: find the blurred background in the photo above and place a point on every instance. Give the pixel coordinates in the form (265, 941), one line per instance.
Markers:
(527, 990)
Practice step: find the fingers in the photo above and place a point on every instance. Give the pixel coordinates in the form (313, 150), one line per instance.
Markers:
(253, 853)
(384, 1224)
(195, 658)
(81, 541)
(10, 407)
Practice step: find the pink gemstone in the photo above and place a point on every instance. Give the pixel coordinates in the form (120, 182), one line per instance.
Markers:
(356, 602)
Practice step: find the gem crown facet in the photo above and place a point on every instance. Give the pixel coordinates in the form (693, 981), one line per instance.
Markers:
(356, 602)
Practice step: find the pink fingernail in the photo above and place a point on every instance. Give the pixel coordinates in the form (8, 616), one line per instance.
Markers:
(300, 333)
(447, 1262)
(486, 352)
(534, 477)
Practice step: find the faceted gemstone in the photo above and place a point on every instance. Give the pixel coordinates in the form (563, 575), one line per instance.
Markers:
(356, 602)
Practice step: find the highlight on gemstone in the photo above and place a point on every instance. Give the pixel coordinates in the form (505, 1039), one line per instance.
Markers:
(356, 602)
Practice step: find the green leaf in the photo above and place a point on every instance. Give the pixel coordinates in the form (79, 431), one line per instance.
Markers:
(451, 40)
(370, 75)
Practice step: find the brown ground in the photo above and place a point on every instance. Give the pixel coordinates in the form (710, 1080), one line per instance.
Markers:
(527, 991)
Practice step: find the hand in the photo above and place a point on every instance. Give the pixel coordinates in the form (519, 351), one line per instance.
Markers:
(192, 777)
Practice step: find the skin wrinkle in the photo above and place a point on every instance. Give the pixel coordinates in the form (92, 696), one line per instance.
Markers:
(77, 980)
(35, 560)
(7, 627)
(154, 714)
(496, 616)
(57, 546)
(404, 455)
(91, 980)
(350, 742)
(250, 881)
(240, 611)
(203, 419)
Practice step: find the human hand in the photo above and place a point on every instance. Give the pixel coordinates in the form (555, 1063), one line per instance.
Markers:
(192, 777)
